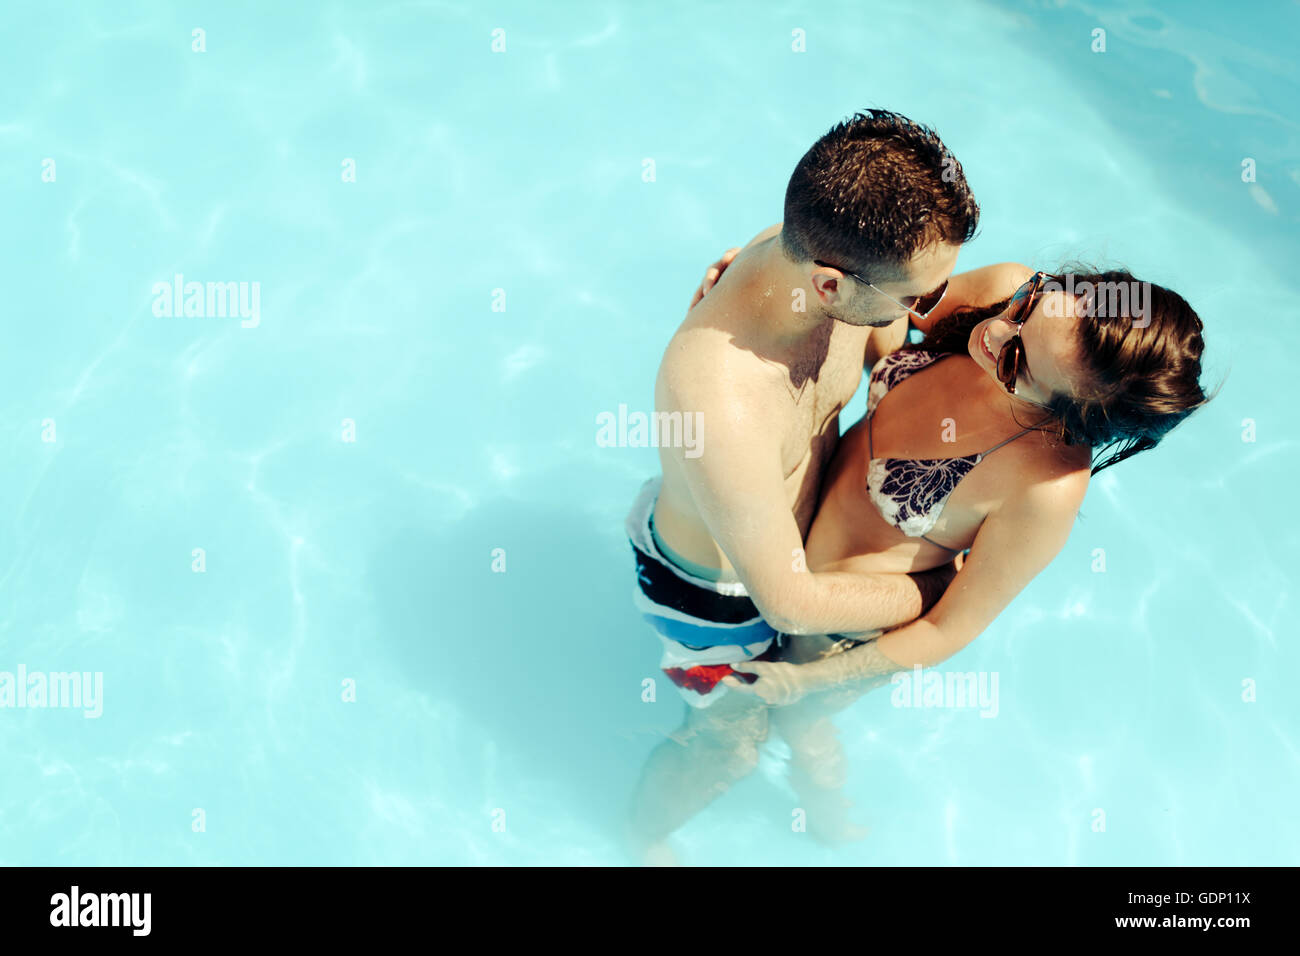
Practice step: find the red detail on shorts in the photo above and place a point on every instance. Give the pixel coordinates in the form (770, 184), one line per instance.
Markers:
(704, 677)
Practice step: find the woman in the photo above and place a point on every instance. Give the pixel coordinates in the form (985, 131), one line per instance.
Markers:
(981, 438)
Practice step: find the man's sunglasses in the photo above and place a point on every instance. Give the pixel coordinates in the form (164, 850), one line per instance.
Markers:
(919, 305)
(1012, 357)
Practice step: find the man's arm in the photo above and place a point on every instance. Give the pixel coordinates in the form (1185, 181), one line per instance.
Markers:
(738, 487)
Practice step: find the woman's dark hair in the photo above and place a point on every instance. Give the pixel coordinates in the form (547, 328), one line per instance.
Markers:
(874, 191)
(1140, 353)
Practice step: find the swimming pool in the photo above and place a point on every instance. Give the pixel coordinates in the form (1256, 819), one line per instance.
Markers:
(274, 535)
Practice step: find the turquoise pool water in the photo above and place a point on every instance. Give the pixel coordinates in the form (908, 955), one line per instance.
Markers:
(349, 458)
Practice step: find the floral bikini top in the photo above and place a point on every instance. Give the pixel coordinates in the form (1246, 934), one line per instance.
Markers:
(910, 492)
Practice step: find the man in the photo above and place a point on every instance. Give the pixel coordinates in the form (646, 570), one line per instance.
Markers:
(875, 214)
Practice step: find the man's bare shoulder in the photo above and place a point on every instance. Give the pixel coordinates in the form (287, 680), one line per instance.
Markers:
(711, 361)
(706, 372)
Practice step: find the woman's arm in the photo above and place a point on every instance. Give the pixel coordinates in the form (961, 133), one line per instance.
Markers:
(978, 287)
(1012, 546)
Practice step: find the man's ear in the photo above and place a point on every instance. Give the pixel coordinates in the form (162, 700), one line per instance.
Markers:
(827, 286)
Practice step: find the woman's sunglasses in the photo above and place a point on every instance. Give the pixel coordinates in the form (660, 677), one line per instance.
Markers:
(1012, 357)
(919, 305)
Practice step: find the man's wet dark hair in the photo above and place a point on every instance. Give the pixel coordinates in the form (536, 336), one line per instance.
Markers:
(873, 192)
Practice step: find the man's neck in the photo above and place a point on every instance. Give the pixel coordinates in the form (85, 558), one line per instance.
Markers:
(782, 326)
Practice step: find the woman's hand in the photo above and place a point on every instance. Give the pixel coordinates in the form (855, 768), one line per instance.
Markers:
(933, 583)
(711, 276)
(778, 684)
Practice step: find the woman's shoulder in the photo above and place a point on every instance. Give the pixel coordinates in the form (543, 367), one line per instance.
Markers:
(1045, 460)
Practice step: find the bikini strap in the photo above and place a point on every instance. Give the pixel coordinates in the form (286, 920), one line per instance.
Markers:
(1020, 434)
(982, 457)
(944, 546)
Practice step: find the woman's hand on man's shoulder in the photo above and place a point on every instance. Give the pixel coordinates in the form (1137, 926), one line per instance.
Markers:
(993, 283)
